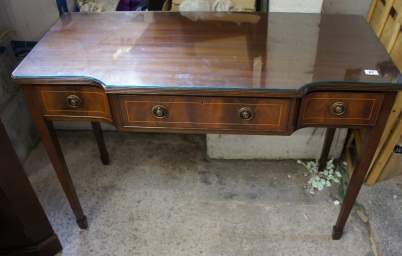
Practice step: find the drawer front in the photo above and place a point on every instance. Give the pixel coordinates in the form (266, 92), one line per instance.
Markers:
(73, 101)
(204, 113)
(340, 108)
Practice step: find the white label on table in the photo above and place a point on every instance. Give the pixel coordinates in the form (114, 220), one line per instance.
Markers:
(371, 72)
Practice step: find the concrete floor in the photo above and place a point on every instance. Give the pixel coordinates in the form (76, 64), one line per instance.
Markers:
(160, 195)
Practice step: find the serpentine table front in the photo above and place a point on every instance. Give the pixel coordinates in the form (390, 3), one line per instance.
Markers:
(225, 73)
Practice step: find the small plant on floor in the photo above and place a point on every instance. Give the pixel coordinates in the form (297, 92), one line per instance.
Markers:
(319, 180)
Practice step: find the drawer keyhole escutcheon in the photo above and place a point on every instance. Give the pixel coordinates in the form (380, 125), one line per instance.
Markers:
(339, 108)
(245, 113)
(159, 111)
(74, 101)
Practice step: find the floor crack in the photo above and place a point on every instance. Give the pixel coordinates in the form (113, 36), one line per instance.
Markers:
(361, 213)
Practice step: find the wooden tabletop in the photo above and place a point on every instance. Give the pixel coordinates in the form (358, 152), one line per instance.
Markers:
(250, 51)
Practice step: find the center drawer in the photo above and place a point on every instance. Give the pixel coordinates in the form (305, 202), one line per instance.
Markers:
(216, 113)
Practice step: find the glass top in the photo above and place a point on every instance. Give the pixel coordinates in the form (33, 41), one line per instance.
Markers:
(250, 51)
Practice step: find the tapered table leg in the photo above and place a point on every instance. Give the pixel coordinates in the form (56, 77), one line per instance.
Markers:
(329, 137)
(104, 155)
(370, 142)
(49, 138)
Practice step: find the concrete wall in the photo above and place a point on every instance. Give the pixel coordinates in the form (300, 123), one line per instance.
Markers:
(14, 111)
(303, 144)
(346, 6)
(26, 21)
(307, 6)
(30, 20)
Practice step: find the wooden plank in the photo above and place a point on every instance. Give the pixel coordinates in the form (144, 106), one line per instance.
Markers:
(392, 40)
(396, 47)
(371, 10)
(396, 110)
(355, 138)
(396, 27)
(388, 32)
(384, 15)
(348, 154)
(349, 162)
(393, 128)
(398, 5)
(393, 167)
(358, 139)
(361, 132)
(386, 152)
(376, 16)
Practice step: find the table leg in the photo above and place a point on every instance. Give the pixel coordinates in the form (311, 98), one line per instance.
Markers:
(104, 155)
(370, 142)
(49, 138)
(329, 136)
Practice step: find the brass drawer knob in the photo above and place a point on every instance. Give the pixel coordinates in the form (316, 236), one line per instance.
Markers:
(339, 108)
(245, 113)
(159, 111)
(74, 101)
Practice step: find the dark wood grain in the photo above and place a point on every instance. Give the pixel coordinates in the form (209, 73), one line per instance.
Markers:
(49, 138)
(225, 51)
(205, 92)
(24, 225)
(12, 231)
(104, 155)
(362, 108)
(370, 142)
(53, 102)
(329, 136)
(212, 113)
